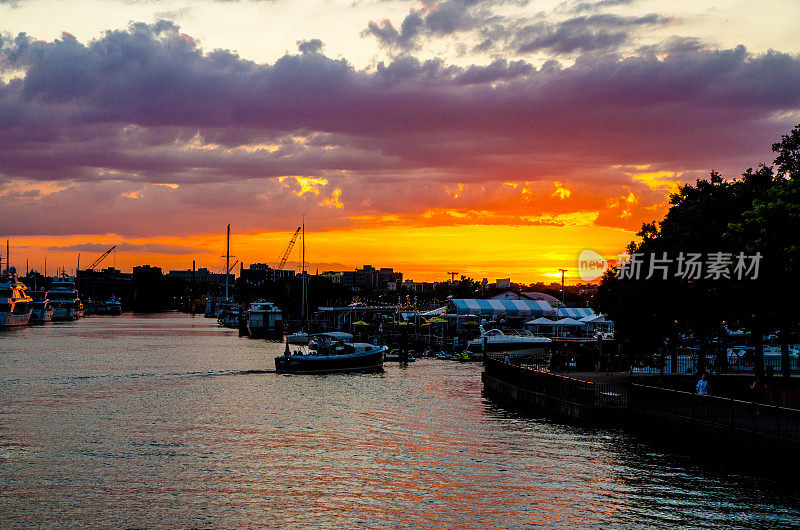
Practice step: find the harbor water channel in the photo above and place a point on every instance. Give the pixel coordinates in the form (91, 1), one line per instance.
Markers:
(169, 420)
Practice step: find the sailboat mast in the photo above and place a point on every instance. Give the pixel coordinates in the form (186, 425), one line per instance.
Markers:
(227, 259)
(303, 296)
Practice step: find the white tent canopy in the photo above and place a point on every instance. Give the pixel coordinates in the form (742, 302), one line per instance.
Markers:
(595, 319)
(569, 322)
(541, 321)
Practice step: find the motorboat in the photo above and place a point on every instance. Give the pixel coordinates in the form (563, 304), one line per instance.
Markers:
(332, 356)
(64, 299)
(15, 304)
(516, 342)
(42, 309)
(263, 318)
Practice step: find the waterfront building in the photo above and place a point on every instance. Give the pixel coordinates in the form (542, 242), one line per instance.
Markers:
(419, 287)
(257, 274)
(105, 283)
(369, 276)
(332, 276)
(200, 276)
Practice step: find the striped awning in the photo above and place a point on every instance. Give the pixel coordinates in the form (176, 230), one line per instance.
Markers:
(574, 312)
(495, 308)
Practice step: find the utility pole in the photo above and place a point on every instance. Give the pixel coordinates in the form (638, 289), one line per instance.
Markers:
(452, 276)
(563, 272)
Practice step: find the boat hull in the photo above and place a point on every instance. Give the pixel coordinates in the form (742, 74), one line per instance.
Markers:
(41, 316)
(9, 320)
(327, 364)
(64, 313)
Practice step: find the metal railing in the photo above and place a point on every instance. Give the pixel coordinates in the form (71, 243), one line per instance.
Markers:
(531, 377)
(748, 417)
(739, 360)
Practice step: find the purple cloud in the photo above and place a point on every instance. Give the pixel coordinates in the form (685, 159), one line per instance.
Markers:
(147, 105)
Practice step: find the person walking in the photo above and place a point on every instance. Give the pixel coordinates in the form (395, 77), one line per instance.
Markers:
(702, 386)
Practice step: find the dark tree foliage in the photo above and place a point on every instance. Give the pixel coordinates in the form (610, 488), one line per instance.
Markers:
(757, 213)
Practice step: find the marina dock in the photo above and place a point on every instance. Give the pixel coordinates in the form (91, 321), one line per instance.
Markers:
(652, 405)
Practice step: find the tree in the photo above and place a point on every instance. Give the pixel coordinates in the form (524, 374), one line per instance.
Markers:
(758, 214)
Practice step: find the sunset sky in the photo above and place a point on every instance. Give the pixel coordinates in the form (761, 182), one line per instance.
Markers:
(495, 139)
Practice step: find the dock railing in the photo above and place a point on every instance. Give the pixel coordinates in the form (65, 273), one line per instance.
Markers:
(530, 377)
(736, 360)
(769, 421)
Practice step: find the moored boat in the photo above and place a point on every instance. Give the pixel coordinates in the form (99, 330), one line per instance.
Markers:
(229, 316)
(516, 342)
(64, 299)
(15, 304)
(263, 318)
(113, 306)
(42, 310)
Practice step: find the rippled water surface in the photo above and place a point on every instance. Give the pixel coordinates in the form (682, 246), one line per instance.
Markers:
(171, 421)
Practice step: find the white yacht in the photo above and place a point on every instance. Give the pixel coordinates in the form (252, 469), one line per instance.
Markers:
(64, 299)
(263, 318)
(516, 342)
(42, 310)
(15, 304)
(113, 306)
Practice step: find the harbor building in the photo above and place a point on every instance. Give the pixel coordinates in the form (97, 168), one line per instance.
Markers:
(369, 276)
(257, 274)
(102, 284)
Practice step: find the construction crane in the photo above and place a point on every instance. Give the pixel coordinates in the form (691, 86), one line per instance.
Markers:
(285, 256)
(99, 260)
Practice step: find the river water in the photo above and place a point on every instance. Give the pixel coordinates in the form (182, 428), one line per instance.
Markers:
(170, 421)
